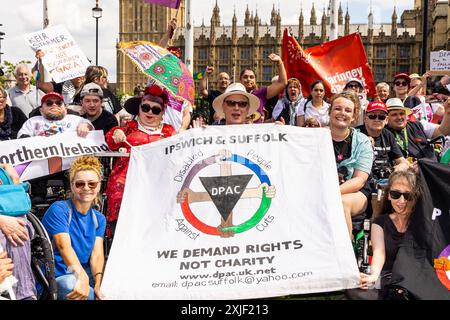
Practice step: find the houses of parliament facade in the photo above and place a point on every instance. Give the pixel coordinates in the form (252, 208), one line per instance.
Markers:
(390, 47)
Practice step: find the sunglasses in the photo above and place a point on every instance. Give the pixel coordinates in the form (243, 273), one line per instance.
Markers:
(376, 116)
(49, 103)
(401, 83)
(91, 184)
(397, 194)
(352, 86)
(240, 104)
(155, 110)
(318, 90)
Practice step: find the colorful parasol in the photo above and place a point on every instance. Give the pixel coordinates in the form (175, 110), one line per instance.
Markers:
(161, 66)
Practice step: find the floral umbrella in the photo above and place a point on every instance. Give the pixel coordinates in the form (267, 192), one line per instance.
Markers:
(161, 66)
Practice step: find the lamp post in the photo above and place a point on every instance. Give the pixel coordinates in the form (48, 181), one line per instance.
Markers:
(96, 14)
(2, 34)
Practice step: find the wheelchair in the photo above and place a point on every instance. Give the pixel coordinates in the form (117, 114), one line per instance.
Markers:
(42, 260)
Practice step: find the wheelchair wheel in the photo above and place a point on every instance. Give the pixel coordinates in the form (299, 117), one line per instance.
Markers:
(43, 260)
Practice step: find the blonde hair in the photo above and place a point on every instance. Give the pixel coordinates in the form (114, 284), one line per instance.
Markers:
(86, 163)
(353, 97)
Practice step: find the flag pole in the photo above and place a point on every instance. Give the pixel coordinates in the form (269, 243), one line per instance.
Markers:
(189, 38)
(334, 20)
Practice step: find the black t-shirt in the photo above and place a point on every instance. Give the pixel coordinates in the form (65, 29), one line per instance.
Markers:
(342, 151)
(104, 122)
(386, 149)
(392, 240)
(212, 94)
(415, 145)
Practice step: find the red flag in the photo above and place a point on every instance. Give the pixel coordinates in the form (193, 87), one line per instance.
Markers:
(332, 62)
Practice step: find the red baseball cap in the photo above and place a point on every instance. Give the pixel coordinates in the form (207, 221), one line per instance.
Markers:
(50, 95)
(376, 106)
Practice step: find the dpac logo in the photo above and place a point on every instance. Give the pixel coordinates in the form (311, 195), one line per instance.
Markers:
(224, 191)
(442, 266)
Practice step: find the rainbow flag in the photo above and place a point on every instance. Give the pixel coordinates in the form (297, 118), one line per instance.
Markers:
(166, 3)
(35, 71)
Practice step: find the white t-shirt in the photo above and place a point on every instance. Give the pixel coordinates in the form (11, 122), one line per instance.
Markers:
(175, 117)
(40, 126)
(320, 114)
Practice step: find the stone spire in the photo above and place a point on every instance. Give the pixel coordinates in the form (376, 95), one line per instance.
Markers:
(247, 17)
(278, 28)
(301, 22)
(273, 16)
(370, 18)
(394, 22)
(323, 36)
(340, 15)
(347, 23)
(216, 16)
(234, 27)
(256, 28)
(313, 19)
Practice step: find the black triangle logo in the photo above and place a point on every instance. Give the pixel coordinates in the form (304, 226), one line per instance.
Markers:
(225, 191)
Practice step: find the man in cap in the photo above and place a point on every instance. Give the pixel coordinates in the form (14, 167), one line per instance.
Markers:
(413, 136)
(91, 103)
(53, 120)
(387, 153)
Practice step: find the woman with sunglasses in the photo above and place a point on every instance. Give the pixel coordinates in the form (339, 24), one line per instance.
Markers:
(147, 127)
(401, 85)
(314, 106)
(77, 231)
(403, 192)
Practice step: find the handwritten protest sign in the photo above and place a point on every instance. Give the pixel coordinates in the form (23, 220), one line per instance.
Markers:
(440, 62)
(63, 59)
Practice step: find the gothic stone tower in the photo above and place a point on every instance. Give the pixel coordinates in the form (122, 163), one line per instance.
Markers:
(141, 21)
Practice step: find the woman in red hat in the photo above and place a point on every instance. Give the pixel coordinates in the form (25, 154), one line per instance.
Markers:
(146, 127)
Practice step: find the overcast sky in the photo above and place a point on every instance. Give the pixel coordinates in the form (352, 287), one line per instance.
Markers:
(20, 17)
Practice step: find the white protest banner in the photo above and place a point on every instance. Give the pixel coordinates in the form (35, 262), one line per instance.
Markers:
(231, 212)
(63, 59)
(440, 62)
(40, 156)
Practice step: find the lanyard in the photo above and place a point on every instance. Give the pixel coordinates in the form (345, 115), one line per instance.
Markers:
(403, 143)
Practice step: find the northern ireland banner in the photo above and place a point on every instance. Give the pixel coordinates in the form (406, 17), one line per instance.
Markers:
(333, 62)
(231, 212)
(40, 156)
